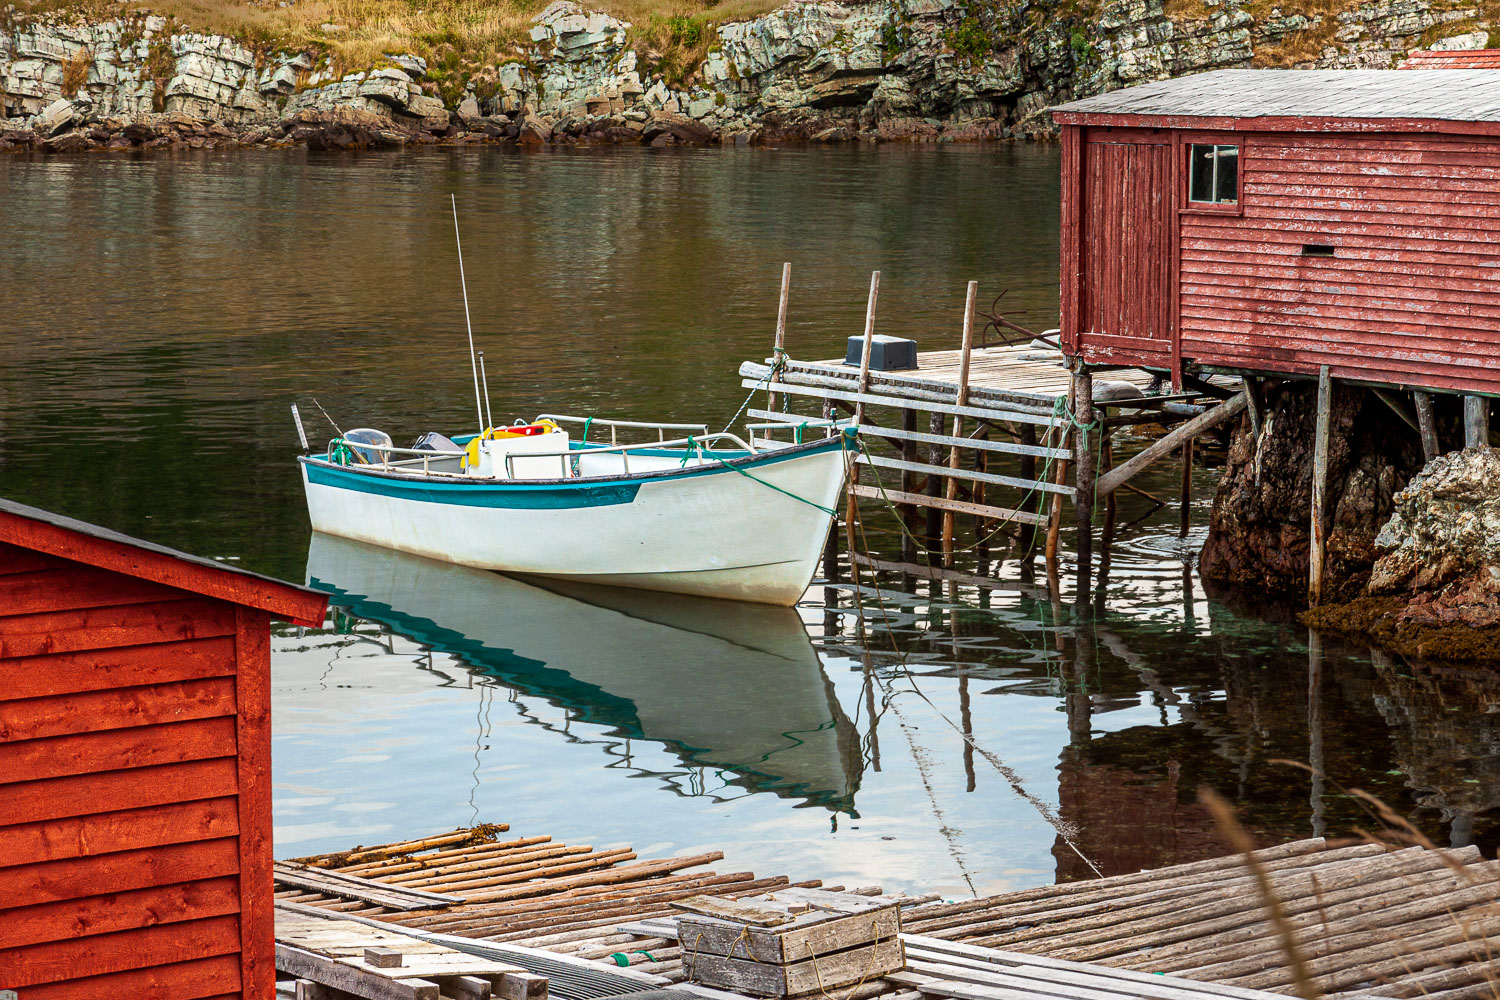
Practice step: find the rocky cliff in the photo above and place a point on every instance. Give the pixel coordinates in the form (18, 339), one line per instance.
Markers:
(817, 69)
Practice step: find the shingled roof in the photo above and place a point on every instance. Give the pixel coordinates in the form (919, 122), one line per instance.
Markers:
(1438, 59)
(1458, 95)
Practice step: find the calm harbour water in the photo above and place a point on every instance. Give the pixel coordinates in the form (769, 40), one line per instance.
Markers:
(158, 315)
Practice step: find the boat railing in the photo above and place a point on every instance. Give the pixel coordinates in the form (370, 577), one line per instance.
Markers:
(690, 444)
(424, 456)
(797, 428)
(588, 423)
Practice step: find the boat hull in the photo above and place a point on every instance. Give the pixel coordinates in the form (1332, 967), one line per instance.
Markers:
(750, 529)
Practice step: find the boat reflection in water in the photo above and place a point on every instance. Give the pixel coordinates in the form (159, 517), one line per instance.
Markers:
(723, 684)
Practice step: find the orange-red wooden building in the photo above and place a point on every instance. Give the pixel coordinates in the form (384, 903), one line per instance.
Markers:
(135, 756)
(1279, 221)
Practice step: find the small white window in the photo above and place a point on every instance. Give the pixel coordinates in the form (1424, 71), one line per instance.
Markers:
(1213, 174)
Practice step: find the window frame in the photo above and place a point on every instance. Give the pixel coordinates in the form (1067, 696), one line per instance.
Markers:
(1185, 142)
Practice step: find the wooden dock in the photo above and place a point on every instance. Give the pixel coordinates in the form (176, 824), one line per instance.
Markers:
(1013, 435)
(1371, 920)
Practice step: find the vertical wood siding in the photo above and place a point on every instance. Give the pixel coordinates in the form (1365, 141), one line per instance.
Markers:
(1123, 262)
(1412, 293)
(134, 793)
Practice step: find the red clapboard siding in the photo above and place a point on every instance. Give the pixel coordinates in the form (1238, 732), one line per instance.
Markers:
(121, 951)
(73, 587)
(33, 718)
(110, 750)
(177, 981)
(86, 794)
(135, 809)
(74, 878)
(129, 666)
(1412, 294)
(127, 829)
(105, 628)
(163, 904)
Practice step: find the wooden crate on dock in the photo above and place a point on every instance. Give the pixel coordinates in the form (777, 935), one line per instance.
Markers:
(789, 942)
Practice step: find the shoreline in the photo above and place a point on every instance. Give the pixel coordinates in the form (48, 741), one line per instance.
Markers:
(354, 131)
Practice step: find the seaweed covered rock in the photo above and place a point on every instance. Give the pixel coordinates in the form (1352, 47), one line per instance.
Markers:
(1258, 533)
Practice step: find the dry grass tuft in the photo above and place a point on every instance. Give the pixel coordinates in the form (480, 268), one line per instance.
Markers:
(75, 72)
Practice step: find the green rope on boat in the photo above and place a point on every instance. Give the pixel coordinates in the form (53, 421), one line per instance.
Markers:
(772, 486)
(587, 421)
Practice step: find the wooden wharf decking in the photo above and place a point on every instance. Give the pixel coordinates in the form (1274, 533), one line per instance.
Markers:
(1373, 921)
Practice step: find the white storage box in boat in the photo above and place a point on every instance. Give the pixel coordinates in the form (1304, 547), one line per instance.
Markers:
(494, 451)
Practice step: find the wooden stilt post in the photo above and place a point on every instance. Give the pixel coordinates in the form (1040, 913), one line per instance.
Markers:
(1185, 517)
(1031, 503)
(1255, 405)
(780, 352)
(908, 512)
(981, 525)
(1319, 489)
(1476, 422)
(1083, 476)
(1426, 425)
(831, 543)
(1056, 439)
(958, 421)
(1107, 462)
(859, 419)
(933, 528)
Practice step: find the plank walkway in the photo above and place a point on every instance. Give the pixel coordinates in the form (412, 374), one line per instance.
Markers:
(1373, 921)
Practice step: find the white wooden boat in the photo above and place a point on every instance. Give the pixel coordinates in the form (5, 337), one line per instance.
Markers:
(708, 514)
(723, 685)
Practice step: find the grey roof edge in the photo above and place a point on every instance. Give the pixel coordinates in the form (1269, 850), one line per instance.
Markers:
(1401, 94)
(109, 535)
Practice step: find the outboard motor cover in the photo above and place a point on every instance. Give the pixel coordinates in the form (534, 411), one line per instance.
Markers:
(433, 441)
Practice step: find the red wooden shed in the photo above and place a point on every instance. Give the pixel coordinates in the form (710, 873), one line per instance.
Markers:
(135, 756)
(1276, 221)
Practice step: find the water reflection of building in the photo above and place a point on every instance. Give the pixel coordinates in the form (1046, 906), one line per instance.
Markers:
(728, 686)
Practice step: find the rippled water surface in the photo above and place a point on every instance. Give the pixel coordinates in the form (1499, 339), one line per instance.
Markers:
(158, 315)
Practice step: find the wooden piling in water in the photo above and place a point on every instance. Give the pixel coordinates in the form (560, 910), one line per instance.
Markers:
(1083, 496)
(958, 420)
(1319, 489)
(1185, 516)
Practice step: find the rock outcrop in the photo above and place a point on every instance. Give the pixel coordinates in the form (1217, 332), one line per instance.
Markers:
(1258, 533)
(1440, 551)
(830, 70)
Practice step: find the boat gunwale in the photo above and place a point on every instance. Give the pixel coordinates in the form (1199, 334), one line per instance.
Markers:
(842, 442)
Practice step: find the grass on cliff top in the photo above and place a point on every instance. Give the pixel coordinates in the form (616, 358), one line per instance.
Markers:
(457, 37)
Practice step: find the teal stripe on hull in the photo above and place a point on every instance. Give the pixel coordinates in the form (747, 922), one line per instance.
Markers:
(475, 494)
(553, 495)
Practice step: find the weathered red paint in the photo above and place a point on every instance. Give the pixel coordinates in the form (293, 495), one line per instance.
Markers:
(135, 798)
(1410, 297)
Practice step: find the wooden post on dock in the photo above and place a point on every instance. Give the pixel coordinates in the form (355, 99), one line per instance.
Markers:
(1187, 489)
(780, 352)
(1476, 422)
(1031, 502)
(908, 512)
(958, 421)
(831, 543)
(1319, 489)
(1426, 425)
(934, 525)
(1083, 461)
(859, 419)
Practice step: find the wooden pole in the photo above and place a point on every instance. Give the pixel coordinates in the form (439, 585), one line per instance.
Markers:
(780, 351)
(1084, 474)
(1476, 422)
(1319, 489)
(864, 363)
(958, 421)
(1426, 425)
(1030, 503)
(831, 543)
(1187, 489)
(1171, 441)
(908, 512)
(1256, 406)
(934, 526)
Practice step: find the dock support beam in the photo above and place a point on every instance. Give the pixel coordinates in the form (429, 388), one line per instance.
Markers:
(1083, 458)
(1316, 541)
(1476, 422)
(1426, 425)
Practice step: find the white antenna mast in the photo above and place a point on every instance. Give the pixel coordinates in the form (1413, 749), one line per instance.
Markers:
(473, 362)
